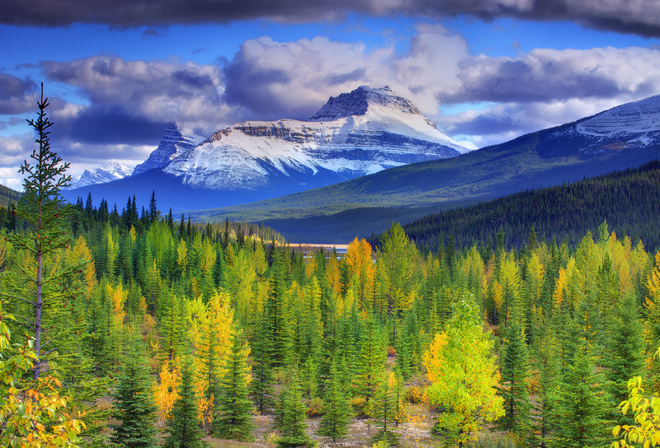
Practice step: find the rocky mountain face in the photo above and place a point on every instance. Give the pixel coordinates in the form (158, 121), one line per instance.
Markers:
(107, 173)
(355, 134)
(171, 146)
(358, 133)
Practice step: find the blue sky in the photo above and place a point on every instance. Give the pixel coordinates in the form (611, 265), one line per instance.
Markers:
(485, 71)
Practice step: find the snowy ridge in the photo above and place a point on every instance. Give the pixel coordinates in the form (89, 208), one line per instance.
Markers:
(171, 146)
(355, 134)
(639, 117)
(107, 173)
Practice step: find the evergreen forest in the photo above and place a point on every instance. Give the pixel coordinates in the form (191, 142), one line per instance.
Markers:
(134, 329)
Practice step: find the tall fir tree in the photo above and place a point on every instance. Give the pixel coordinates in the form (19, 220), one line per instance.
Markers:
(385, 409)
(292, 416)
(581, 404)
(133, 405)
(334, 423)
(514, 368)
(37, 292)
(233, 419)
(183, 426)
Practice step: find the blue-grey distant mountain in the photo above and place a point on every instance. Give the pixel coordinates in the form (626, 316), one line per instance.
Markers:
(355, 134)
(625, 136)
(107, 173)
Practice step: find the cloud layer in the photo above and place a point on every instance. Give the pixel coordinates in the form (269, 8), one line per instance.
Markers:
(484, 99)
(632, 16)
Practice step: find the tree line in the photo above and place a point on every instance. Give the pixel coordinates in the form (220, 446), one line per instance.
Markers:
(628, 200)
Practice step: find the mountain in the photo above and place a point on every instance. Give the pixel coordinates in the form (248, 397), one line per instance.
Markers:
(625, 136)
(359, 133)
(355, 134)
(8, 196)
(627, 200)
(171, 146)
(107, 173)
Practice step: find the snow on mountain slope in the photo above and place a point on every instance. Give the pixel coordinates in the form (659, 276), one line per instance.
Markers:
(107, 173)
(355, 134)
(633, 125)
(638, 117)
(172, 145)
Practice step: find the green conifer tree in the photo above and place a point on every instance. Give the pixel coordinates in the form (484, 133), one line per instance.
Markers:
(292, 416)
(134, 408)
(337, 415)
(234, 408)
(385, 409)
(514, 368)
(183, 425)
(581, 404)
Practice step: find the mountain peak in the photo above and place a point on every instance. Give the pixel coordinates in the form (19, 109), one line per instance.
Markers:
(107, 173)
(358, 102)
(172, 145)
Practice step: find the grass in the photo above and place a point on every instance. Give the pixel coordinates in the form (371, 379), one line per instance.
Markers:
(414, 433)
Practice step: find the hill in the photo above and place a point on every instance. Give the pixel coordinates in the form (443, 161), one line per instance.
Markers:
(8, 196)
(628, 200)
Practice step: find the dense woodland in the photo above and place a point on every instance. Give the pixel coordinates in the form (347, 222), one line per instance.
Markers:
(628, 200)
(128, 329)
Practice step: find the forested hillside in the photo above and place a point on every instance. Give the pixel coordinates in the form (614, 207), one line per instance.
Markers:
(133, 330)
(8, 196)
(628, 200)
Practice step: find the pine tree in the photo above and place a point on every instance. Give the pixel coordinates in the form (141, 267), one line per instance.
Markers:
(39, 287)
(262, 371)
(385, 409)
(625, 356)
(546, 362)
(292, 415)
(134, 408)
(335, 421)
(183, 425)
(233, 406)
(581, 404)
(514, 368)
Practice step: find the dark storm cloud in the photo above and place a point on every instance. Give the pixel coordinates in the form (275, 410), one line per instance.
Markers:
(153, 91)
(488, 124)
(113, 125)
(630, 16)
(343, 78)
(17, 95)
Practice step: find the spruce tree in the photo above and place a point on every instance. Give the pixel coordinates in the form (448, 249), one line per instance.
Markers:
(335, 421)
(581, 404)
(262, 371)
(514, 368)
(183, 425)
(292, 416)
(625, 355)
(134, 408)
(233, 405)
(385, 409)
(38, 293)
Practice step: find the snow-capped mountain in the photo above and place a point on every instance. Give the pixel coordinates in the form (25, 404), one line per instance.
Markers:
(107, 173)
(171, 146)
(636, 124)
(631, 126)
(354, 134)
